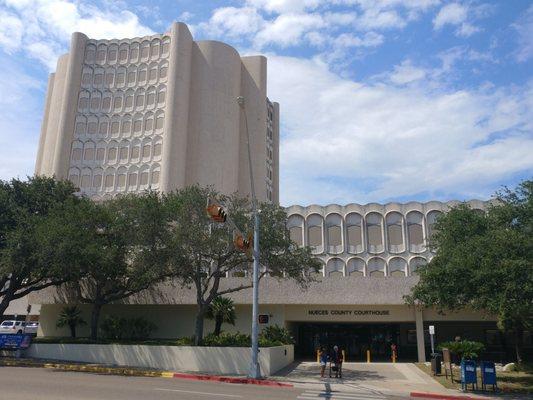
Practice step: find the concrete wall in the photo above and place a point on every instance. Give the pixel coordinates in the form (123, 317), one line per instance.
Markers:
(216, 360)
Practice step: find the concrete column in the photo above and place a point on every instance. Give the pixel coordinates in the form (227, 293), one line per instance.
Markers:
(173, 164)
(69, 105)
(44, 125)
(275, 142)
(420, 345)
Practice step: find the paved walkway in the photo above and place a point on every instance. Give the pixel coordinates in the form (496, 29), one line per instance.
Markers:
(373, 378)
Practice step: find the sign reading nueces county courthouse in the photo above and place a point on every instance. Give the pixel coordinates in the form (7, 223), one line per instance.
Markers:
(348, 314)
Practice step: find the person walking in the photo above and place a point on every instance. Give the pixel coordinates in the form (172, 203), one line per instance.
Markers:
(323, 360)
(336, 359)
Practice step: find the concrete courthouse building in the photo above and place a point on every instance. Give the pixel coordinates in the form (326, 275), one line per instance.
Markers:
(160, 112)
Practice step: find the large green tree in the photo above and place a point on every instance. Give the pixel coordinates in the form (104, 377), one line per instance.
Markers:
(24, 265)
(118, 248)
(207, 254)
(484, 261)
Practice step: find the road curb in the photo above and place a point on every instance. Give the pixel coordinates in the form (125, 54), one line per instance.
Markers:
(440, 396)
(231, 379)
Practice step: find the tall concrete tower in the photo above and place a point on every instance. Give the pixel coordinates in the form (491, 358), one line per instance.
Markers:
(159, 112)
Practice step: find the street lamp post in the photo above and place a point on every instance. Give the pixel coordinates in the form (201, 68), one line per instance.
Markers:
(255, 371)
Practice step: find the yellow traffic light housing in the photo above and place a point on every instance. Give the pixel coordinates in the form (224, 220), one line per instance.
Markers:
(217, 213)
(243, 244)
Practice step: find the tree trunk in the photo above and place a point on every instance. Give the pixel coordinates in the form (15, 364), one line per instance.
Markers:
(218, 325)
(95, 317)
(4, 304)
(519, 339)
(199, 326)
(72, 330)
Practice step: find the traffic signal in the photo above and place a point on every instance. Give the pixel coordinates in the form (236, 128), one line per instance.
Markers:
(263, 318)
(217, 213)
(243, 244)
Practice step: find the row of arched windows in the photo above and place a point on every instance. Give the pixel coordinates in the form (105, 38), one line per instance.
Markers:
(106, 102)
(115, 152)
(122, 77)
(115, 179)
(116, 126)
(376, 266)
(127, 52)
(356, 234)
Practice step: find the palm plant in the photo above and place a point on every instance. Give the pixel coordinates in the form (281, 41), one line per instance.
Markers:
(70, 316)
(222, 310)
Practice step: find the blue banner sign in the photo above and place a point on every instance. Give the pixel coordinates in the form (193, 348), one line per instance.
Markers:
(15, 342)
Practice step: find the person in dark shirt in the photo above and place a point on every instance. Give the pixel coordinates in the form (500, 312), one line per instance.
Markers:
(336, 359)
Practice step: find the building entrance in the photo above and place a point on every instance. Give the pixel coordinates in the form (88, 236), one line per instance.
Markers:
(355, 339)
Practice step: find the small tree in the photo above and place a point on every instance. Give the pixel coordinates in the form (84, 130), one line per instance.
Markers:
(484, 261)
(222, 310)
(24, 266)
(70, 316)
(206, 253)
(118, 247)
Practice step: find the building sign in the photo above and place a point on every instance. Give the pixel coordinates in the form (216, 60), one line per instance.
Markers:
(354, 313)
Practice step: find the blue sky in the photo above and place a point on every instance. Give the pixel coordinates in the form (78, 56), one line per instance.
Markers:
(381, 100)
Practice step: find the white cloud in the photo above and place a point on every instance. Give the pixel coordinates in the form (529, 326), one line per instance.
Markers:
(233, 22)
(524, 28)
(406, 72)
(340, 135)
(453, 14)
(288, 29)
(42, 28)
(285, 6)
(458, 15)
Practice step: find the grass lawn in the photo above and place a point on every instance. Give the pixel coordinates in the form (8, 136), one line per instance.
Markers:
(510, 382)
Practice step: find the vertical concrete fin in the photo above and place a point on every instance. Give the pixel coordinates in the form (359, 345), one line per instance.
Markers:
(44, 125)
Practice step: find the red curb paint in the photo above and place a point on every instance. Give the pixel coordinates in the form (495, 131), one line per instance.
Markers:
(229, 379)
(444, 396)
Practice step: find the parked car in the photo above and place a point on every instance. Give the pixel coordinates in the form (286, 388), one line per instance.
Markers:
(12, 327)
(31, 328)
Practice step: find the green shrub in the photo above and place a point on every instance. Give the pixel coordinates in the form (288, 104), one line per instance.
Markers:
(466, 349)
(120, 328)
(276, 334)
(226, 339)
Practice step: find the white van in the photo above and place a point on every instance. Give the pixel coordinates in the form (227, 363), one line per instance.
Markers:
(12, 327)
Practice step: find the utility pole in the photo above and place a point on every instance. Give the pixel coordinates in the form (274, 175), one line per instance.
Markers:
(255, 371)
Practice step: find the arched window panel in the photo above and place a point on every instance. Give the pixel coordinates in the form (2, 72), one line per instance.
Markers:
(98, 178)
(145, 50)
(109, 77)
(74, 176)
(86, 77)
(118, 102)
(295, 224)
(155, 49)
(109, 180)
(374, 232)
(80, 126)
(101, 147)
(335, 267)
(96, 98)
(142, 74)
(83, 101)
(150, 97)
(120, 77)
(125, 126)
(153, 72)
(165, 47)
(146, 150)
(114, 128)
(112, 152)
(112, 53)
(103, 126)
(90, 53)
(131, 77)
(107, 100)
(163, 71)
(133, 174)
(144, 177)
(159, 121)
(395, 235)
(123, 53)
(415, 232)
(76, 152)
(134, 52)
(121, 178)
(135, 152)
(432, 218)
(161, 95)
(157, 148)
(354, 233)
(89, 150)
(397, 267)
(137, 125)
(101, 54)
(334, 233)
(124, 152)
(376, 267)
(86, 179)
(315, 227)
(356, 267)
(154, 176)
(129, 100)
(98, 80)
(139, 99)
(415, 263)
(92, 125)
(148, 123)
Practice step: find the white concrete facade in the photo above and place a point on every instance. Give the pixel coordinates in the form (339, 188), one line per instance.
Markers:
(159, 112)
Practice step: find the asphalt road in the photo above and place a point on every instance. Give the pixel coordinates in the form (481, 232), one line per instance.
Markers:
(46, 384)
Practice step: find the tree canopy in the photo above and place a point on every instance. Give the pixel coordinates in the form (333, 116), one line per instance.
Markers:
(484, 261)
